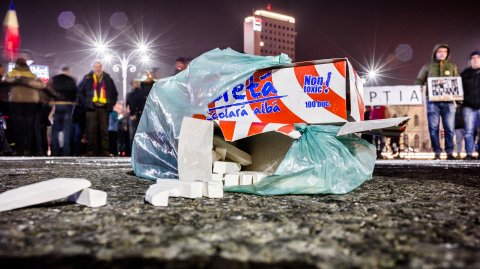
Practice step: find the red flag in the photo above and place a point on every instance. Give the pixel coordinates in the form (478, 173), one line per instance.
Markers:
(12, 34)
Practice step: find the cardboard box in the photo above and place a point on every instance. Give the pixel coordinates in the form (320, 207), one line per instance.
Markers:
(273, 99)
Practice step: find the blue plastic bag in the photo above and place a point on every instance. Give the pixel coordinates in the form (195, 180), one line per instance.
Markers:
(154, 151)
(319, 163)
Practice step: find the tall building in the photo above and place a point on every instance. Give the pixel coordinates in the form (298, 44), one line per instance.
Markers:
(269, 33)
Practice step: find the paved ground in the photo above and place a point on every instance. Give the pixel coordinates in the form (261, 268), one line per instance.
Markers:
(412, 214)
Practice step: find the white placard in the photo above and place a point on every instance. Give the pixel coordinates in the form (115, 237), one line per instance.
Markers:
(441, 89)
(392, 95)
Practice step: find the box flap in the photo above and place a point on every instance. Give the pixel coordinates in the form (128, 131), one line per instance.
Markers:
(390, 127)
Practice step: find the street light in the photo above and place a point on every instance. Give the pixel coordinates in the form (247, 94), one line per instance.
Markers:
(372, 74)
(100, 47)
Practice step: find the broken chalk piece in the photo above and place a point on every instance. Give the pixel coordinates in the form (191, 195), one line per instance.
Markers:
(213, 189)
(226, 167)
(258, 177)
(233, 153)
(231, 180)
(89, 197)
(246, 179)
(215, 157)
(217, 177)
(186, 189)
(158, 196)
(222, 152)
(194, 154)
(41, 192)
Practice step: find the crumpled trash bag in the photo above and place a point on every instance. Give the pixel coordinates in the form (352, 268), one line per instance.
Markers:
(319, 163)
(154, 151)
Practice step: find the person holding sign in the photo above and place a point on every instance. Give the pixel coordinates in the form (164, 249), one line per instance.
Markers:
(440, 66)
(471, 103)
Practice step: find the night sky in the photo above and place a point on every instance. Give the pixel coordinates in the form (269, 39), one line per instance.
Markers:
(360, 30)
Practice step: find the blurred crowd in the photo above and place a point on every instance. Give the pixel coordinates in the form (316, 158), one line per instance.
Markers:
(64, 118)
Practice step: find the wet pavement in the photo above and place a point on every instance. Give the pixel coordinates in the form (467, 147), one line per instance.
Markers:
(412, 214)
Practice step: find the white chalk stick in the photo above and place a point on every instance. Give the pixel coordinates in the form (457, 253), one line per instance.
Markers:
(215, 157)
(246, 179)
(222, 153)
(89, 197)
(158, 195)
(212, 189)
(231, 180)
(233, 153)
(257, 176)
(217, 177)
(195, 150)
(187, 189)
(226, 167)
(41, 192)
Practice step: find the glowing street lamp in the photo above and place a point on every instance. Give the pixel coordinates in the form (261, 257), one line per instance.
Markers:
(372, 74)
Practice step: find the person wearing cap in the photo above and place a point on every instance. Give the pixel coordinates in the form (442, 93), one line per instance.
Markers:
(440, 66)
(471, 101)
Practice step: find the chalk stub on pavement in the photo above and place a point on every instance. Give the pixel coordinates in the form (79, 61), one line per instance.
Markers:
(186, 189)
(89, 197)
(158, 195)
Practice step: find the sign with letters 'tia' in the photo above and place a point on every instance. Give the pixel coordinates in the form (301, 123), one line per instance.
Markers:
(392, 95)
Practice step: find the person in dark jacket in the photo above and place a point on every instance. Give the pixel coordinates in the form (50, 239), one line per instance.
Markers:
(471, 103)
(65, 89)
(136, 103)
(440, 66)
(97, 95)
(134, 108)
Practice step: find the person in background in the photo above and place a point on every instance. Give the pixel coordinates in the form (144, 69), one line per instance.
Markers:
(379, 113)
(25, 109)
(180, 65)
(2, 72)
(440, 66)
(471, 104)
(97, 95)
(368, 137)
(156, 73)
(459, 130)
(113, 133)
(5, 149)
(65, 89)
(133, 107)
(4, 90)
(123, 135)
(395, 144)
(79, 139)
